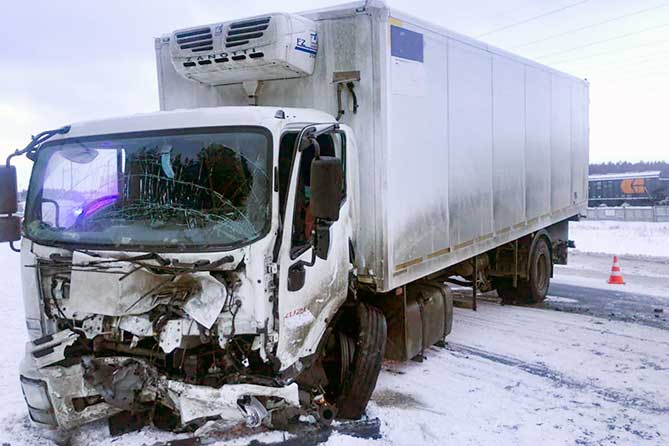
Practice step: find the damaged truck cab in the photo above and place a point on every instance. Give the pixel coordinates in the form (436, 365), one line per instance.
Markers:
(253, 251)
(150, 263)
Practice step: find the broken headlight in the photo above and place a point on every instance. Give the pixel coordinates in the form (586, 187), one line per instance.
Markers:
(37, 398)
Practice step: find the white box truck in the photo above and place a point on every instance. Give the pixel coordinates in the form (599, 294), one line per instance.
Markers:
(291, 216)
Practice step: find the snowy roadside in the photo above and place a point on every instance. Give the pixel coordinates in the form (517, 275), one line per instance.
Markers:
(649, 275)
(642, 248)
(12, 320)
(630, 238)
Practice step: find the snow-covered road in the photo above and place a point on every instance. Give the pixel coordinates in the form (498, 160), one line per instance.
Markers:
(526, 376)
(619, 304)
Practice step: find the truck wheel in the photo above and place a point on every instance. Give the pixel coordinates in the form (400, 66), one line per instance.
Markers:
(532, 290)
(361, 338)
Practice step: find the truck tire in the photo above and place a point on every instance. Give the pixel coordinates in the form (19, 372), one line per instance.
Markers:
(534, 289)
(359, 383)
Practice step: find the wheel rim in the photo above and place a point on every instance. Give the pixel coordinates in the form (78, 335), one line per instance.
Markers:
(338, 361)
(347, 351)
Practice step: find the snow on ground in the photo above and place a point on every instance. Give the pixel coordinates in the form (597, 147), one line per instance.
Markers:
(645, 275)
(642, 248)
(525, 376)
(621, 237)
(563, 300)
(14, 336)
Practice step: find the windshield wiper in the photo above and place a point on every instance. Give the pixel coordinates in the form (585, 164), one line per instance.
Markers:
(173, 266)
(200, 265)
(133, 259)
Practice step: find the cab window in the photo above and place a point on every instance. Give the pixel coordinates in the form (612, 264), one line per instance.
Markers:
(285, 162)
(303, 220)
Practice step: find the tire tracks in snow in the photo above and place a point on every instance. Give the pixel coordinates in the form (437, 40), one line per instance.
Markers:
(541, 370)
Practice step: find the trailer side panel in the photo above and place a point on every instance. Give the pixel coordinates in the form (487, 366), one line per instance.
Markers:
(483, 148)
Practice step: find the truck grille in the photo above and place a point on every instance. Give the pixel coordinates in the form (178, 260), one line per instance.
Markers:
(241, 33)
(196, 40)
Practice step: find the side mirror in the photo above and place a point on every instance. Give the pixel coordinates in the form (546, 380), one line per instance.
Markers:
(10, 225)
(8, 190)
(326, 188)
(296, 276)
(10, 229)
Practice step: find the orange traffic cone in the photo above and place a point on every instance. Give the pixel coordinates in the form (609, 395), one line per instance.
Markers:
(616, 277)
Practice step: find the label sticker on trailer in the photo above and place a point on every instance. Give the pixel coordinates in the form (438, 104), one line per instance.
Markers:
(406, 44)
(407, 72)
(309, 46)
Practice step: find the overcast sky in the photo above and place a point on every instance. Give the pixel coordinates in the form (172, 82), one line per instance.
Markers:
(65, 61)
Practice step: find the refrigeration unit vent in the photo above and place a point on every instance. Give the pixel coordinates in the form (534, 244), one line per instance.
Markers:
(196, 40)
(276, 46)
(241, 33)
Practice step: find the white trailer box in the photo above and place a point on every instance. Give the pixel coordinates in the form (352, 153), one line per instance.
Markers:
(462, 147)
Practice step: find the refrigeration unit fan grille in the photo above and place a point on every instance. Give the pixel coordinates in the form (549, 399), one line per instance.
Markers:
(196, 40)
(242, 33)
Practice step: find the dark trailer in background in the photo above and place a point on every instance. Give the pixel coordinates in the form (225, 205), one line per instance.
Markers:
(633, 188)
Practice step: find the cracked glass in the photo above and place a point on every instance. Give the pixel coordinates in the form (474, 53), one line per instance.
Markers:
(181, 189)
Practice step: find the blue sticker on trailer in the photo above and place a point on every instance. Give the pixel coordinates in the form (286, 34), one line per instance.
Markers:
(406, 44)
(310, 47)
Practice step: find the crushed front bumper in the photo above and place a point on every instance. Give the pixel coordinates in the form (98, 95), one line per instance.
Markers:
(58, 397)
(62, 397)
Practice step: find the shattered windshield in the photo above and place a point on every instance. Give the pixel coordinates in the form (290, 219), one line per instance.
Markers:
(180, 188)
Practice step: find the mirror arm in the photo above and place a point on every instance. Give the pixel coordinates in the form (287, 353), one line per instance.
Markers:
(31, 148)
(300, 137)
(314, 243)
(331, 128)
(36, 141)
(314, 240)
(311, 133)
(311, 262)
(317, 147)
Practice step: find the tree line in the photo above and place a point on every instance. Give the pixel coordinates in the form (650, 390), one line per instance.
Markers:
(625, 166)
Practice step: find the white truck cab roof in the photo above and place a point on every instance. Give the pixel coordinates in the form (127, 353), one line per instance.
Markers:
(198, 117)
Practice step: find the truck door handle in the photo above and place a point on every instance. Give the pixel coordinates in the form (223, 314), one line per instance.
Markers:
(296, 276)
